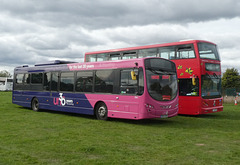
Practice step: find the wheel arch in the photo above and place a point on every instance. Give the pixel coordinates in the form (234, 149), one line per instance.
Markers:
(33, 99)
(34, 103)
(96, 105)
(101, 110)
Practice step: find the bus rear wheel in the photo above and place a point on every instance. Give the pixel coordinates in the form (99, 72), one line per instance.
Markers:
(101, 111)
(35, 104)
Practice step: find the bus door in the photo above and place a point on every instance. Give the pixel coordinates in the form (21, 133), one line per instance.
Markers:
(131, 87)
(54, 86)
(189, 102)
(18, 87)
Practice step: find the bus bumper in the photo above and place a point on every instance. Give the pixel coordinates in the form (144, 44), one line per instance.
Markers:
(211, 110)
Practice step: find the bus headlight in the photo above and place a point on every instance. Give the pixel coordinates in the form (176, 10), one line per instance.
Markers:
(149, 106)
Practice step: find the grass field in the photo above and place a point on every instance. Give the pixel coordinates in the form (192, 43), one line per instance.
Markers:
(28, 137)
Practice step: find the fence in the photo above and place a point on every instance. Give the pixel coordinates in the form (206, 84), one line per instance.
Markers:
(230, 94)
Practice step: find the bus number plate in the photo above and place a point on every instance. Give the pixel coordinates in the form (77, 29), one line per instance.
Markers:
(164, 116)
(214, 110)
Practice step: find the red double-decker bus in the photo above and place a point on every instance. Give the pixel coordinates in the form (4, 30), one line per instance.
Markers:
(198, 69)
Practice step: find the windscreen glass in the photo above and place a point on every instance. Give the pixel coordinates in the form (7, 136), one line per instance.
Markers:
(161, 79)
(208, 51)
(211, 86)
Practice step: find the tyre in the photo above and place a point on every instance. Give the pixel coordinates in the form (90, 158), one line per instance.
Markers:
(35, 104)
(101, 111)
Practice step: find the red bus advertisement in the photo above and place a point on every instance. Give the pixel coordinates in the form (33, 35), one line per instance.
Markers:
(198, 70)
(129, 89)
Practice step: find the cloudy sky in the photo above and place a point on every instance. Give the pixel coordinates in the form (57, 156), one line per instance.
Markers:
(37, 31)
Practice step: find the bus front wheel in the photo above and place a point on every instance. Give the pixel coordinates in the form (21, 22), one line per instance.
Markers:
(101, 111)
(35, 104)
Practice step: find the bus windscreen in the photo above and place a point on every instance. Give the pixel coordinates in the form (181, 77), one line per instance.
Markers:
(161, 79)
(208, 51)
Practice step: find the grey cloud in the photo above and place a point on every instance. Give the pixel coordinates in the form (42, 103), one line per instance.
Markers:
(14, 53)
(32, 31)
(46, 42)
(230, 41)
(105, 14)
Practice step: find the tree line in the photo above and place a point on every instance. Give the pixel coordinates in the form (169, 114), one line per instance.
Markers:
(231, 78)
(5, 73)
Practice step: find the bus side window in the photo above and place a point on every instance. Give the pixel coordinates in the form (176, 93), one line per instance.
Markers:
(164, 55)
(67, 81)
(47, 80)
(185, 52)
(102, 57)
(140, 81)
(91, 58)
(128, 86)
(54, 81)
(26, 82)
(147, 53)
(84, 81)
(37, 81)
(129, 55)
(26, 78)
(36, 78)
(167, 52)
(115, 56)
(19, 78)
(104, 81)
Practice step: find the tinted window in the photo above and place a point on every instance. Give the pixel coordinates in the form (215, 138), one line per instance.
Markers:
(160, 64)
(54, 83)
(102, 57)
(36, 78)
(47, 79)
(115, 56)
(129, 55)
(67, 81)
(104, 81)
(147, 53)
(128, 86)
(84, 82)
(140, 81)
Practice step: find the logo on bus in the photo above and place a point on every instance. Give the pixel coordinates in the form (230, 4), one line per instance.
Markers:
(62, 101)
(189, 70)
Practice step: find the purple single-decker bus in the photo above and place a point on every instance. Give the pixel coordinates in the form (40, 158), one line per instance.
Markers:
(129, 89)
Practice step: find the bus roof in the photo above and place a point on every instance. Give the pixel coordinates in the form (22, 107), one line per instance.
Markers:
(182, 42)
(130, 63)
(56, 62)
